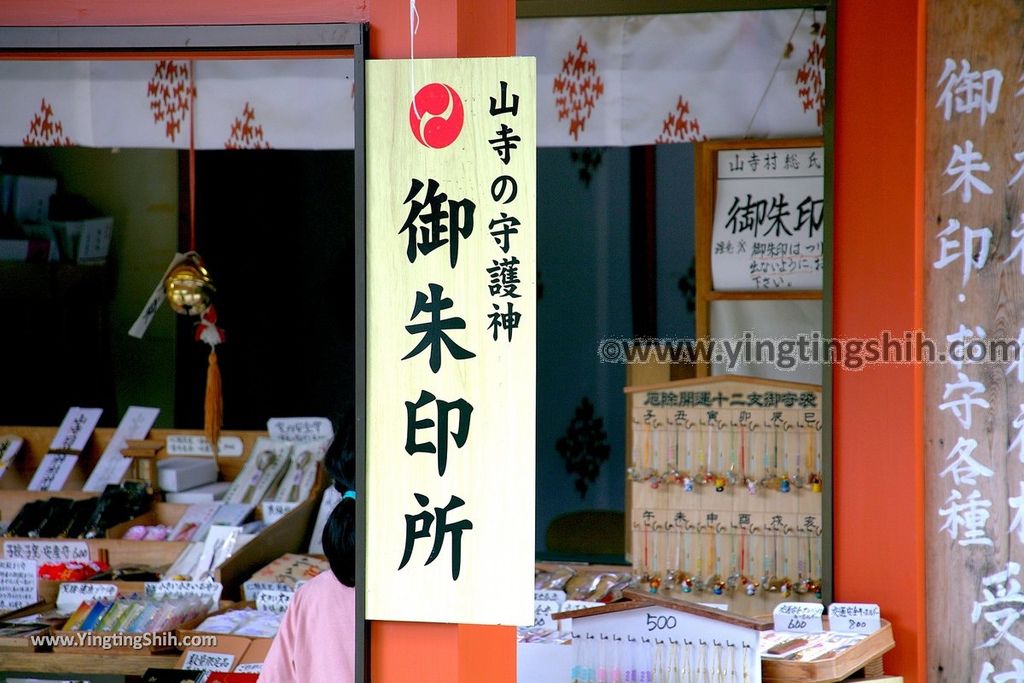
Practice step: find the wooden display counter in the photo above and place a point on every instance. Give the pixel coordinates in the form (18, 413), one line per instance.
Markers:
(865, 656)
(288, 534)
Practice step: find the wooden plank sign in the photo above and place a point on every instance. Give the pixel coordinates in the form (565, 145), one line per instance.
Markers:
(451, 330)
(974, 283)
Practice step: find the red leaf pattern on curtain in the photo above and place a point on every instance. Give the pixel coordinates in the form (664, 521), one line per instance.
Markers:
(44, 130)
(810, 78)
(170, 93)
(245, 134)
(680, 125)
(578, 87)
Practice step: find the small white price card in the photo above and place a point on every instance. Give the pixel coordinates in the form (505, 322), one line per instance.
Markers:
(45, 552)
(249, 668)
(542, 611)
(189, 444)
(573, 605)
(17, 584)
(73, 594)
(208, 661)
(252, 589)
(300, 429)
(274, 601)
(556, 595)
(210, 590)
(273, 511)
(798, 617)
(850, 617)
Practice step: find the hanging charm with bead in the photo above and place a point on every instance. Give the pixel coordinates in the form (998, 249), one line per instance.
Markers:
(189, 291)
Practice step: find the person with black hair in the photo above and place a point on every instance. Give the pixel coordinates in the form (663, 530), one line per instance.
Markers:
(316, 641)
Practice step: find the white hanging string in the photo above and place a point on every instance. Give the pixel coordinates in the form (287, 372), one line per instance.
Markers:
(414, 26)
(785, 53)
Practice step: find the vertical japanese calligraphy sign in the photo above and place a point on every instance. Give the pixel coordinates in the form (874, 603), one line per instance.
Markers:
(973, 289)
(451, 340)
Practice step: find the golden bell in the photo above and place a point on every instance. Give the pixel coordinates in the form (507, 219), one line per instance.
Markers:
(188, 288)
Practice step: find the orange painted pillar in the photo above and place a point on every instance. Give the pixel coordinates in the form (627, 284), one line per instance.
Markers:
(401, 652)
(878, 456)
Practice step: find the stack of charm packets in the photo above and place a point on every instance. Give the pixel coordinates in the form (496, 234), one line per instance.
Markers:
(135, 614)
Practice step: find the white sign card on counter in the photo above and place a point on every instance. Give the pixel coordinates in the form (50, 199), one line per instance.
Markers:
(53, 472)
(74, 593)
(798, 617)
(273, 511)
(75, 429)
(768, 223)
(193, 444)
(43, 552)
(249, 668)
(208, 590)
(18, 584)
(112, 466)
(852, 617)
(252, 589)
(198, 660)
(556, 595)
(274, 601)
(10, 444)
(542, 611)
(300, 429)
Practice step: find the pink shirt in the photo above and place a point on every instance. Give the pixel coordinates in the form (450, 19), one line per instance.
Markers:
(317, 639)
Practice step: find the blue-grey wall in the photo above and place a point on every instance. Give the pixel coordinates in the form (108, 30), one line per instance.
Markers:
(675, 236)
(583, 258)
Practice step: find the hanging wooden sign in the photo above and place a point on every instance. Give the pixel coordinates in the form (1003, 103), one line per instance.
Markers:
(451, 332)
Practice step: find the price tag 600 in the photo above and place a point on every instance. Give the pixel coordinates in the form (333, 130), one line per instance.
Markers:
(798, 617)
(847, 617)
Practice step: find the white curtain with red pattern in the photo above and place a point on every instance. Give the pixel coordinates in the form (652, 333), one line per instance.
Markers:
(601, 81)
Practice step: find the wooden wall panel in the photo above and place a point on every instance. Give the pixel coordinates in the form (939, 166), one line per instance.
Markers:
(974, 280)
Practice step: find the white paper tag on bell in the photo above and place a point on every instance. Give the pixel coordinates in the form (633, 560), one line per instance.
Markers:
(141, 324)
(850, 617)
(798, 617)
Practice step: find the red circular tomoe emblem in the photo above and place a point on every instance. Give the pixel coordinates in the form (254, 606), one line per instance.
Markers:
(436, 115)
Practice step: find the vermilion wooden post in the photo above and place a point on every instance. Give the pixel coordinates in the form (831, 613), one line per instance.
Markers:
(878, 456)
